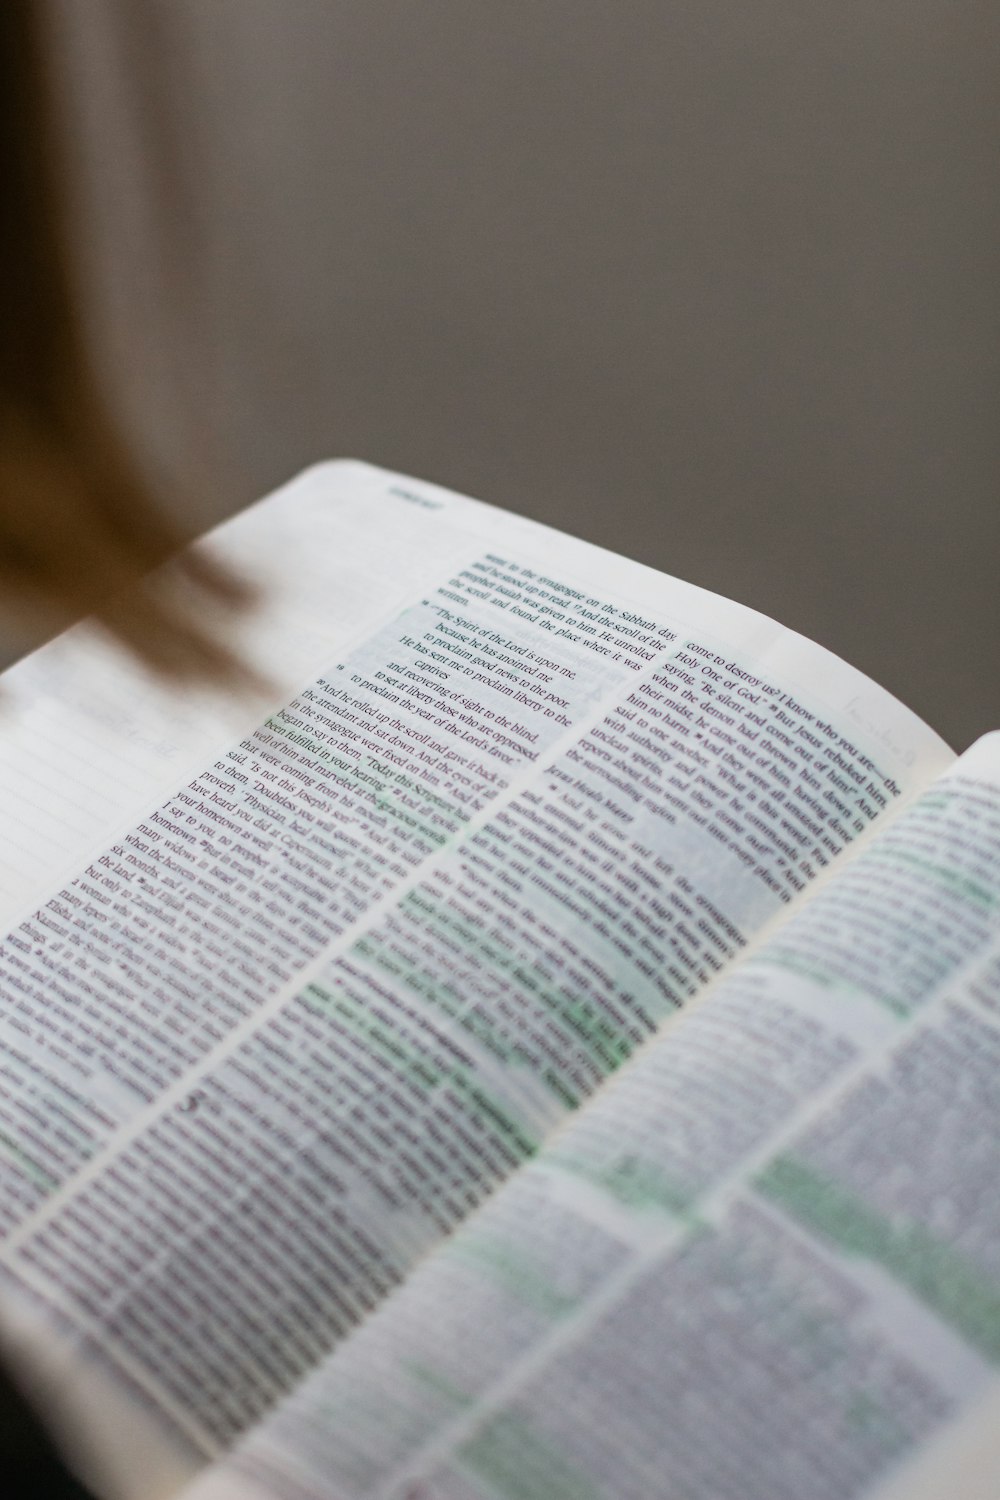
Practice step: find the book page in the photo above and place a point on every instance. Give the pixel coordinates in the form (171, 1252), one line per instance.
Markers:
(764, 1261)
(285, 1024)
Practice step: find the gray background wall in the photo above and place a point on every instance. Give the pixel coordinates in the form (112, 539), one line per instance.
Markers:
(712, 282)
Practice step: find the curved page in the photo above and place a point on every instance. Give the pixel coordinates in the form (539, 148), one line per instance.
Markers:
(297, 997)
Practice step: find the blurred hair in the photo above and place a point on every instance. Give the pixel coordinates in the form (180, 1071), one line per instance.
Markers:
(79, 529)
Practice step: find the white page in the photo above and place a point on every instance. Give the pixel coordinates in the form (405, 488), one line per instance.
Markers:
(379, 531)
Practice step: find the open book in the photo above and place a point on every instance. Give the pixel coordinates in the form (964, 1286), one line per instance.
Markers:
(549, 1052)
